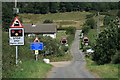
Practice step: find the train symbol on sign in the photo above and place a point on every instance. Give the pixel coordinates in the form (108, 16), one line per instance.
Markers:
(16, 23)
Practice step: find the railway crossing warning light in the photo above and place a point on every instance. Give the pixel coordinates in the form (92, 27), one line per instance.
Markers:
(16, 32)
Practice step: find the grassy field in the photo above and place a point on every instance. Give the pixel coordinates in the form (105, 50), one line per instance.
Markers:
(103, 71)
(75, 19)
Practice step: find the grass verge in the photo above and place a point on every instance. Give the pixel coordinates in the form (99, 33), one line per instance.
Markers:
(31, 69)
(103, 71)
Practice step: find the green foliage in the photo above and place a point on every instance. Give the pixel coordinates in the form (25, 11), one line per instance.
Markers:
(106, 45)
(70, 38)
(89, 16)
(54, 7)
(91, 22)
(85, 29)
(48, 21)
(85, 48)
(70, 30)
(65, 48)
(116, 58)
(31, 69)
(118, 14)
(104, 71)
(7, 15)
(51, 46)
(108, 20)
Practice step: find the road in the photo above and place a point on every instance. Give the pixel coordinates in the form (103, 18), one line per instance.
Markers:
(75, 68)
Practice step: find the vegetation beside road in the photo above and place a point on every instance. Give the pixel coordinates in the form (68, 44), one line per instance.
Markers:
(104, 61)
(103, 71)
(27, 65)
(31, 69)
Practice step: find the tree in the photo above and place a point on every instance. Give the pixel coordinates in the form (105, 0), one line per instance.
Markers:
(91, 22)
(54, 7)
(106, 45)
(118, 14)
(48, 21)
(85, 29)
(62, 7)
(69, 6)
(7, 14)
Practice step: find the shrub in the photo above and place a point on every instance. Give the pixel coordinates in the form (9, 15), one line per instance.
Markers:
(116, 58)
(118, 14)
(65, 48)
(106, 45)
(85, 29)
(91, 22)
(48, 21)
(90, 15)
(70, 30)
(70, 38)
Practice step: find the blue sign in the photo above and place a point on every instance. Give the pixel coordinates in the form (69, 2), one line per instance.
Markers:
(36, 46)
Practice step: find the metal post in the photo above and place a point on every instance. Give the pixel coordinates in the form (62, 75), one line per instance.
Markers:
(15, 3)
(16, 54)
(36, 57)
(98, 25)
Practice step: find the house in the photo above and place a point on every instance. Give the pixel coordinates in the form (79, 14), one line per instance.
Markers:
(43, 29)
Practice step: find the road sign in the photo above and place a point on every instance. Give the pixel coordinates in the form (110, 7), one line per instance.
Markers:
(36, 39)
(16, 23)
(16, 36)
(36, 46)
(36, 52)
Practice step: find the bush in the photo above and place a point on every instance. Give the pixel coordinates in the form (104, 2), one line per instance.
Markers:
(85, 48)
(90, 15)
(91, 22)
(85, 29)
(116, 58)
(70, 30)
(65, 48)
(106, 45)
(118, 14)
(70, 38)
(48, 21)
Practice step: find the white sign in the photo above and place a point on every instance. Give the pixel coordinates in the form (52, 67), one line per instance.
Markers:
(16, 36)
(36, 52)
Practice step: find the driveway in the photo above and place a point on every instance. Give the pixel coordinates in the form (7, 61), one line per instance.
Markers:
(72, 69)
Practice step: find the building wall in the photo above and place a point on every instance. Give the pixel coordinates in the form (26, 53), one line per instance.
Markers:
(51, 35)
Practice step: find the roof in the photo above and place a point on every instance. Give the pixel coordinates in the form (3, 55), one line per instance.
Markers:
(40, 28)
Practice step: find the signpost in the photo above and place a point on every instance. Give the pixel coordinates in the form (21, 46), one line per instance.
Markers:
(16, 35)
(36, 45)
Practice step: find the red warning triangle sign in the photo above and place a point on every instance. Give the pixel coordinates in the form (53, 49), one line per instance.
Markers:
(36, 39)
(16, 23)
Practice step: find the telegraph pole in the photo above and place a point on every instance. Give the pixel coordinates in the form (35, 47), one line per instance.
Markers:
(15, 12)
(15, 3)
(98, 24)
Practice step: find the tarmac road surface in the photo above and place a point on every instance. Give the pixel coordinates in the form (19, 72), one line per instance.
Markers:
(72, 69)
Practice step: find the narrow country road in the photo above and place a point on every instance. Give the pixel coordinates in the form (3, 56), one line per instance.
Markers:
(75, 68)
